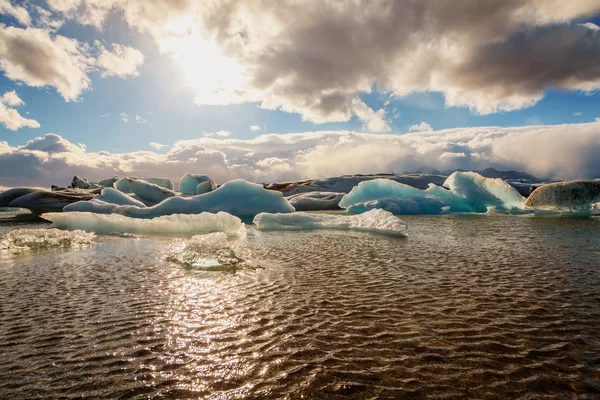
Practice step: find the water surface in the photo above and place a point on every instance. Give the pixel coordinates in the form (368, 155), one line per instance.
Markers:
(464, 307)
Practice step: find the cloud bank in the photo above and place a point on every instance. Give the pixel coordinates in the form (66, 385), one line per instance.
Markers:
(317, 57)
(561, 151)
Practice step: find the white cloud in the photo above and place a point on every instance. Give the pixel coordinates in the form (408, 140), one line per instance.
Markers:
(422, 127)
(219, 134)
(158, 146)
(123, 61)
(9, 117)
(39, 57)
(140, 120)
(105, 115)
(373, 121)
(305, 57)
(578, 114)
(124, 116)
(18, 12)
(559, 151)
(254, 128)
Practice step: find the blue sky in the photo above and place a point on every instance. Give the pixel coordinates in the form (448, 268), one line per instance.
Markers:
(324, 67)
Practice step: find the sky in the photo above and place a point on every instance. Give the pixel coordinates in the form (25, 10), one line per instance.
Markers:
(271, 90)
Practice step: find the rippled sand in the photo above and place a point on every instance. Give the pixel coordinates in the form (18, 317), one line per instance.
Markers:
(473, 307)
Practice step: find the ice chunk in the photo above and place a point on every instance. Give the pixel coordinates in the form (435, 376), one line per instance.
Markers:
(43, 201)
(377, 221)
(570, 196)
(189, 182)
(123, 186)
(469, 192)
(148, 191)
(108, 182)
(205, 187)
(212, 252)
(113, 196)
(82, 183)
(42, 239)
(482, 192)
(311, 201)
(392, 196)
(94, 206)
(9, 195)
(177, 224)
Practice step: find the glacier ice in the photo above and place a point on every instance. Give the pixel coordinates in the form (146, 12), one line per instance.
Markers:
(149, 192)
(177, 224)
(42, 239)
(205, 187)
(376, 221)
(108, 182)
(237, 197)
(114, 196)
(567, 196)
(310, 201)
(211, 252)
(123, 185)
(189, 182)
(468, 192)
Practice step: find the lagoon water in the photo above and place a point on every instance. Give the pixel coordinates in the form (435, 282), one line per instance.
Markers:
(464, 307)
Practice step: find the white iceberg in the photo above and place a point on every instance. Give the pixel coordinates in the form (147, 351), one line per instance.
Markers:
(43, 239)
(178, 224)
(376, 221)
(205, 187)
(114, 196)
(189, 182)
(311, 201)
(149, 191)
(468, 192)
(567, 196)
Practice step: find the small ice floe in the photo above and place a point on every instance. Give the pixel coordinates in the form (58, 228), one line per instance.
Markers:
(212, 252)
(375, 221)
(570, 197)
(177, 224)
(43, 239)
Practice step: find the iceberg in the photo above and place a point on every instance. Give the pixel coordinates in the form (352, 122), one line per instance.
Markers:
(114, 196)
(43, 201)
(189, 182)
(9, 195)
(108, 182)
(205, 187)
(42, 239)
(568, 196)
(468, 192)
(82, 183)
(311, 201)
(149, 192)
(94, 206)
(177, 224)
(375, 221)
(123, 186)
(238, 197)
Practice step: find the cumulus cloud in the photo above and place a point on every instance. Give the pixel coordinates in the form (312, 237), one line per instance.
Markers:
(124, 116)
(422, 127)
(318, 58)
(158, 146)
(19, 13)
(39, 57)
(218, 133)
(10, 117)
(254, 128)
(560, 151)
(140, 120)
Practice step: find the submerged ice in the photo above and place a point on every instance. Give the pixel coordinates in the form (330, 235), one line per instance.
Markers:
(212, 252)
(377, 221)
(43, 239)
(178, 224)
(462, 192)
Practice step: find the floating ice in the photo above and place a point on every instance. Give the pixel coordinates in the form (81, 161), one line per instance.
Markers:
(177, 224)
(469, 192)
(93, 206)
(569, 196)
(310, 201)
(113, 196)
(149, 191)
(108, 182)
(205, 187)
(42, 239)
(83, 183)
(189, 182)
(123, 186)
(212, 252)
(376, 221)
